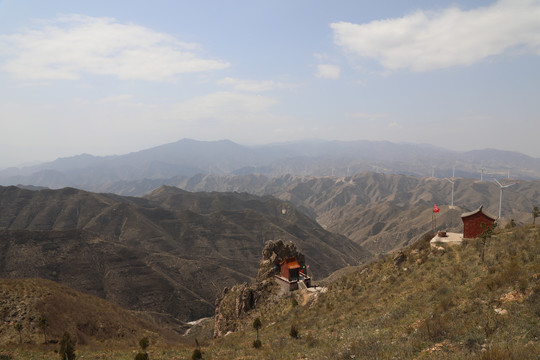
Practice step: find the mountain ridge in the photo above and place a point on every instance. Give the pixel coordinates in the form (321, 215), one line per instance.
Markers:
(186, 158)
(146, 256)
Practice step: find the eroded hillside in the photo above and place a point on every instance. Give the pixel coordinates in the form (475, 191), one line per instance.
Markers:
(169, 254)
(382, 212)
(44, 310)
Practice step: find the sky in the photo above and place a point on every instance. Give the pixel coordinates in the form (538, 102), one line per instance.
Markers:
(113, 77)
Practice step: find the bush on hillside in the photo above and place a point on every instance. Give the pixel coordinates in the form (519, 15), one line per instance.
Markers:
(67, 347)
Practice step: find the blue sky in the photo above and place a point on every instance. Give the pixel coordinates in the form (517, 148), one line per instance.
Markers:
(112, 77)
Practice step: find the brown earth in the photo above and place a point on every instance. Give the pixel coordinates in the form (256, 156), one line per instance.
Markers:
(87, 318)
(169, 254)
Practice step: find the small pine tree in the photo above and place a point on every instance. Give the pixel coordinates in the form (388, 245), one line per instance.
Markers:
(18, 328)
(143, 343)
(67, 347)
(257, 324)
(486, 235)
(43, 324)
(197, 353)
(257, 344)
(535, 214)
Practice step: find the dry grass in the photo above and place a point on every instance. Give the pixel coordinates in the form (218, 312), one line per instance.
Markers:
(437, 305)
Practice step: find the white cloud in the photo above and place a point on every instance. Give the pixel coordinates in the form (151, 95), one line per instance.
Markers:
(117, 99)
(225, 105)
(252, 85)
(425, 41)
(68, 47)
(367, 116)
(328, 71)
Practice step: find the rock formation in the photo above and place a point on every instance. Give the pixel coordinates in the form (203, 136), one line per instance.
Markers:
(235, 303)
(273, 254)
(399, 258)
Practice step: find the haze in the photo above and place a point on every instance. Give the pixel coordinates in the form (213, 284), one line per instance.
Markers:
(115, 77)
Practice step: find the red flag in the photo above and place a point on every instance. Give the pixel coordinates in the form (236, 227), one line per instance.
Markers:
(436, 208)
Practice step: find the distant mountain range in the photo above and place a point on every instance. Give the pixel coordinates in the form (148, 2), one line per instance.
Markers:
(168, 254)
(382, 212)
(186, 158)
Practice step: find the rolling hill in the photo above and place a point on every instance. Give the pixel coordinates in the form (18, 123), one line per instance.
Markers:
(87, 318)
(382, 212)
(168, 254)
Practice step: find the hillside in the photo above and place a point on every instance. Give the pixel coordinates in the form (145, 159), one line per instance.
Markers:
(437, 304)
(90, 320)
(382, 212)
(169, 254)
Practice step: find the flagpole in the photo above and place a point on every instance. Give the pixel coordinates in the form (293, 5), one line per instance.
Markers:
(434, 217)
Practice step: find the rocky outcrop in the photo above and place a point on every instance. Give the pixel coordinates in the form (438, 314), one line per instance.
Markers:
(399, 258)
(273, 254)
(235, 303)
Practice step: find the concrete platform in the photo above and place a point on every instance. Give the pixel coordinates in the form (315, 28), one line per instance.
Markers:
(450, 239)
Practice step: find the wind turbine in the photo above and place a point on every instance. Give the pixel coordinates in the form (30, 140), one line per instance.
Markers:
(500, 199)
(453, 183)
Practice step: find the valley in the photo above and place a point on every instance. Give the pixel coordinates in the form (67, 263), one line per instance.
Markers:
(165, 257)
(168, 254)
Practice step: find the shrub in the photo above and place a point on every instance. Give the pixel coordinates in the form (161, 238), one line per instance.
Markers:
(294, 332)
(197, 354)
(144, 343)
(474, 342)
(434, 328)
(142, 356)
(257, 344)
(67, 347)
